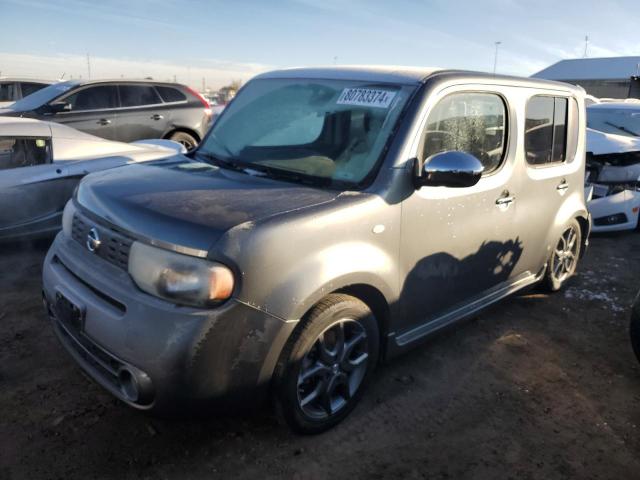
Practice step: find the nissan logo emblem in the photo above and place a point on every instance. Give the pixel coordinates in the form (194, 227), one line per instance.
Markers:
(93, 240)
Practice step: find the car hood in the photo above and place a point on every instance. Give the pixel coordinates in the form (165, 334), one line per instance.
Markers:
(600, 143)
(189, 204)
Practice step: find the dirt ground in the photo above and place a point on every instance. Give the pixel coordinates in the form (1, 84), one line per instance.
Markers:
(537, 387)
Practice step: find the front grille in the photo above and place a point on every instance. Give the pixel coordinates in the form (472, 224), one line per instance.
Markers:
(114, 247)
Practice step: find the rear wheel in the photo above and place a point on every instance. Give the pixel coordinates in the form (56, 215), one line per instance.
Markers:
(185, 139)
(564, 257)
(325, 366)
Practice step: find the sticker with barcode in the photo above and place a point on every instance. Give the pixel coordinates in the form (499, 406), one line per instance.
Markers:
(366, 97)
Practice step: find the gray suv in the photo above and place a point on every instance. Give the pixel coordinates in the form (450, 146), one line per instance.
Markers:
(121, 110)
(331, 218)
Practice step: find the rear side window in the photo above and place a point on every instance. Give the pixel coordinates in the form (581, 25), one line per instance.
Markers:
(138, 95)
(93, 98)
(17, 152)
(170, 94)
(7, 92)
(29, 88)
(545, 135)
(474, 123)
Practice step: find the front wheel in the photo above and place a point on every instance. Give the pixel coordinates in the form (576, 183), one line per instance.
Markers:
(326, 364)
(563, 260)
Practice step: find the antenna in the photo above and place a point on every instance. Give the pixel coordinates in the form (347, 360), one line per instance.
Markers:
(586, 46)
(495, 57)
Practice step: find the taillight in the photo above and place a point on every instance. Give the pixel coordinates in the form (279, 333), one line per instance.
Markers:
(205, 103)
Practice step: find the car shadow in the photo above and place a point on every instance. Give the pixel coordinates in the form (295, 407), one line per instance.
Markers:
(440, 281)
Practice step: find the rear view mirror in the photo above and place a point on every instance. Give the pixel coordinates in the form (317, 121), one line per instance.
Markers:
(450, 169)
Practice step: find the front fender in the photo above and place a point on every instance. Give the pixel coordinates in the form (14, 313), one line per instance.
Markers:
(573, 207)
(328, 270)
(286, 264)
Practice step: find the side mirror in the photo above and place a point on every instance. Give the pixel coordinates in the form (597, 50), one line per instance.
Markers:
(58, 107)
(450, 169)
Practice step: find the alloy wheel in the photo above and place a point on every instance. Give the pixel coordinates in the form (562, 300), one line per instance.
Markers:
(565, 255)
(333, 369)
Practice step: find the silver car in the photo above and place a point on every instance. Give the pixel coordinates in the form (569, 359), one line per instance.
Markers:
(41, 164)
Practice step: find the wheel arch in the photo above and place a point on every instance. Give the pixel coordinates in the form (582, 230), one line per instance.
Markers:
(377, 302)
(190, 131)
(585, 229)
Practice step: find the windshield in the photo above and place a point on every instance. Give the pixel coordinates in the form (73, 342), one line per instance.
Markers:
(620, 121)
(42, 96)
(330, 131)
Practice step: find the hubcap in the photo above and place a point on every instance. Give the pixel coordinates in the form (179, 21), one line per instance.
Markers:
(563, 261)
(333, 369)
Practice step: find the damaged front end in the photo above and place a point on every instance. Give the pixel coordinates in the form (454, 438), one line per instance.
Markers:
(613, 183)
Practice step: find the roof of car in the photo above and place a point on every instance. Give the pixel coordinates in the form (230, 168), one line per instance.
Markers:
(26, 80)
(80, 81)
(18, 121)
(378, 73)
(615, 105)
(399, 75)
(14, 126)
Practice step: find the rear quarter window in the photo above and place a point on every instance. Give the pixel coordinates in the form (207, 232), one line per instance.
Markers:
(29, 88)
(546, 127)
(170, 94)
(138, 95)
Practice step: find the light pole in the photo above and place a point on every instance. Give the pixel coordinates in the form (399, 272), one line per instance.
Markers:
(495, 57)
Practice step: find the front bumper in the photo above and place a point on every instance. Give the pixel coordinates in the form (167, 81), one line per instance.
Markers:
(175, 356)
(615, 212)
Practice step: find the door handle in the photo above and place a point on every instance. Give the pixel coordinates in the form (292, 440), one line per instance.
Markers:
(157, 116)
(563, 186)
(103, 121)
(506, 199)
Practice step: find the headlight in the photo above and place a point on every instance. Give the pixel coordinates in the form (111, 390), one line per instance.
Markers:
(67, 218)
(179, 278)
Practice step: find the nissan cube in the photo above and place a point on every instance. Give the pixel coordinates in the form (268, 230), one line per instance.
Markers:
(331, 219)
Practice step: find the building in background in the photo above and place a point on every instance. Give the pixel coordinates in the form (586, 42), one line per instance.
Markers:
(615, 77)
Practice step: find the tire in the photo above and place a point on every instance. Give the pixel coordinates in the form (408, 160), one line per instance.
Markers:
(634, 327)
(563, 260)
(185, 139)
(317, 382)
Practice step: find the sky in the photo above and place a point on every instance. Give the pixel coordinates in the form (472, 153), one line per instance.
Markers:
(213, 42)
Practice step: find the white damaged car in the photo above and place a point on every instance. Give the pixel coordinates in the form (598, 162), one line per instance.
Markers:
(612, 177)
(41, 164)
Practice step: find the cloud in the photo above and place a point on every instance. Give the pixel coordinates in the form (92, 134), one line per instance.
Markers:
(216, 73)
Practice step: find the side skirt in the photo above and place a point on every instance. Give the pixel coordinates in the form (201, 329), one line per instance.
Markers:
(400, 343)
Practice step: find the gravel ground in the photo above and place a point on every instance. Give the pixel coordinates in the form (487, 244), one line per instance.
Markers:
(537, 387)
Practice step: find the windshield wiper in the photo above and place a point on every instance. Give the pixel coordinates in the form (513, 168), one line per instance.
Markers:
(622, 128)
(302, 178)
(252, 168)
(218, 161)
